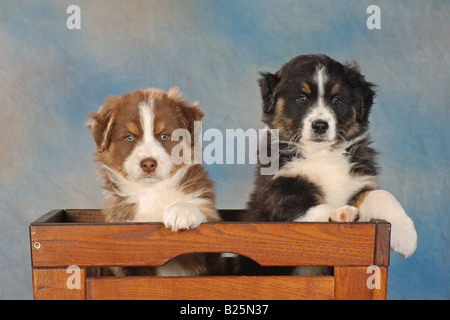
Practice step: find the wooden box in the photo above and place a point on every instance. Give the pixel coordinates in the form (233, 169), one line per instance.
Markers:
(68, 248)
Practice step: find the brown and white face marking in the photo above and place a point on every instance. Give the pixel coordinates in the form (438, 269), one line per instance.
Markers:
(133, 133)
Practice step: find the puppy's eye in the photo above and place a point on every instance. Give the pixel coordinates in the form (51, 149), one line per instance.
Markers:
(130, 138)
(336, 100)
(164, 137)
(302, 99)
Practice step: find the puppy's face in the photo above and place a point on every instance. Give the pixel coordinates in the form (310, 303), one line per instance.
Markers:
(316, 101)
(133, 133)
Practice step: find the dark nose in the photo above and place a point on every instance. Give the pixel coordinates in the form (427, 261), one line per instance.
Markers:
(320, 126)
(148, 165)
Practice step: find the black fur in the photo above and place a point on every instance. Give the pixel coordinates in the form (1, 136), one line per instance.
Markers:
(286, 82)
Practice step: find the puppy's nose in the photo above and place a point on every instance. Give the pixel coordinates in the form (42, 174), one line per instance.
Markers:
(148, 165)
(320, 126)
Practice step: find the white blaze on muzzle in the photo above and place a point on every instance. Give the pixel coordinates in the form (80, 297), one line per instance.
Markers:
(319, 125)
(148, 148)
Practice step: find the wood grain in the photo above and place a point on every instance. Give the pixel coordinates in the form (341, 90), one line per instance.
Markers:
(351, 283)
(51, 284)
(382, 246)
(284, 244)
(381, 294)
(211, 288)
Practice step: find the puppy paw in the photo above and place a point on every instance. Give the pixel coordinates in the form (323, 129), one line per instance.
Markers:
(381, 204)
(320, 212)
(403, 236)
(345, 214)
(182, 215)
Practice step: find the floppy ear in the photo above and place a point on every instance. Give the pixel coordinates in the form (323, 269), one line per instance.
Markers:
(367, 95)
(190, 113)
(364, 89)
(267, 85)
(101, 125)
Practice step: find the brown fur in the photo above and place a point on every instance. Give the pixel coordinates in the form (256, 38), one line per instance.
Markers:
(195, 180)
(281, 122)
(335, 89)
(119, 118)
(306, 88)
(358, 199)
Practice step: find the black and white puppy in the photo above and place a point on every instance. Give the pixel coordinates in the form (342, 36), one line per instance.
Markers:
(327, 169)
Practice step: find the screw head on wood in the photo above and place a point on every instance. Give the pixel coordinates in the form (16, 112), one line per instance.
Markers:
(37, 245)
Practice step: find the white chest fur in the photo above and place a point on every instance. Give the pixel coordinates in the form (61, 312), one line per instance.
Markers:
(330, 170)
(153, 199)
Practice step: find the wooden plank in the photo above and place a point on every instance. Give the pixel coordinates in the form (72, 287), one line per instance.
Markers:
(351, 283)
(382, 245)
(95, 216)
(360, 283)
(50, 217)
(211, 288)
(84, 216)
(68, 216)
(58, 284)
(147, 244)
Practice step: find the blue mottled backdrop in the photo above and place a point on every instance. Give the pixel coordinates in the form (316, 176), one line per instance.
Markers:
(51, 77)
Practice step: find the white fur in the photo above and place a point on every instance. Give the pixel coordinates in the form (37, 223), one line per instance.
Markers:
(147, 114)
(321, 78)
(183, 215)
(162, 201)
(148, 147)
(380, 204)
(319, 112)
(320, 213)
(325, 212)
(329, 169)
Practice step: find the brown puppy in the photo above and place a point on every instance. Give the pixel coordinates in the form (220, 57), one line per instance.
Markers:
(145, 153)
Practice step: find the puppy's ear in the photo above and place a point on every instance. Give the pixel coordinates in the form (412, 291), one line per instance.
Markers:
(363, 88)
(189, 114)
(175, 94)
(367, 98)
(353, 65)
(267, 85)
(101, 124)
